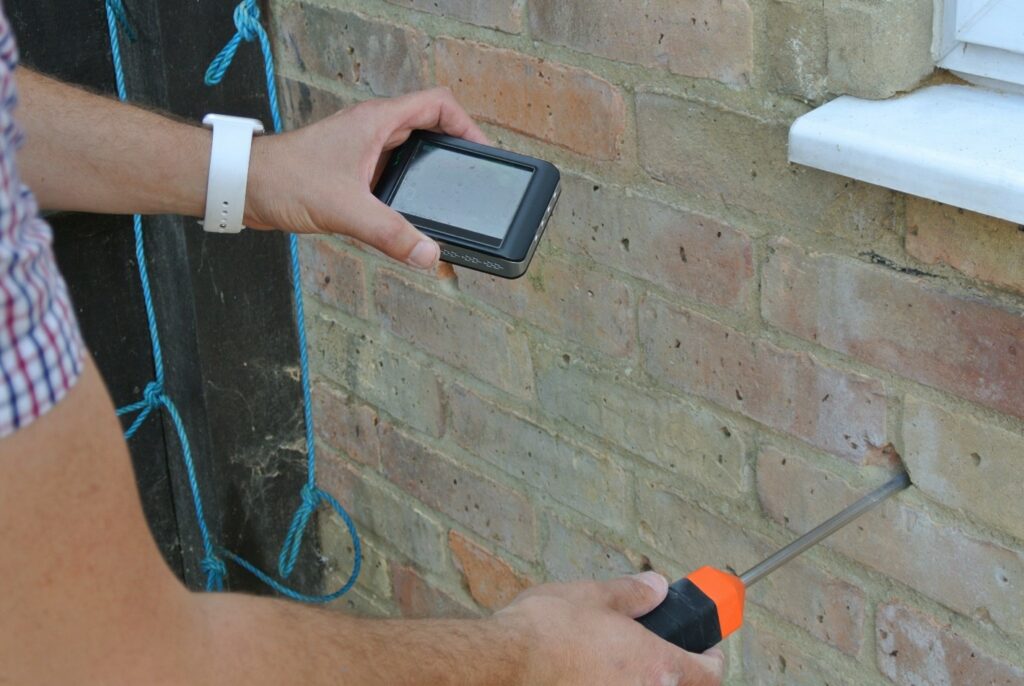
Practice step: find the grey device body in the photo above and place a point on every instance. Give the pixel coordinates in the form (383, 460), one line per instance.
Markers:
(487, 208)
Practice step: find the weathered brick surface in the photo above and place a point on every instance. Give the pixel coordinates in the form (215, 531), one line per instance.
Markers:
(876, 50)
(346, 425)
(698, 306)
(831, 609)
(400, 522)
(797, 48)
(788, 391)
(771, 660)
(336, 546)
(570, 554)
(352, 49)
(464, 338)
(915, 649)
(417, 599)
(984, 248)
(407, 390)
(591, 484)
(330, 347)
(492, 510)
(707, 38)
(491, 580)
(303, 104)
(695, 256)
(672, 434)
(979, 577)
(554, 102)
(735, 160)
(966, 463)
(566, 300)
(506, 15)
(966, 346)
(333, 275)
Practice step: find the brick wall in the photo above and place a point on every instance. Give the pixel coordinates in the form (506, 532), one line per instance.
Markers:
(712, 351)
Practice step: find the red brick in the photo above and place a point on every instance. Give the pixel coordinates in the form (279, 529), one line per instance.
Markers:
(702, 38)
(695, 256)
(899, 323)
(492, 581)
(496, 512)
(915, 649)
(571, 555)
(981, 247)
(417, 599)
(566, 300)
(563, 105)
(956, 567)
(333, 275)
(785, 390)
(577, 478)
(829, 608)
(346, 425)
(505, 15)
(467, 339)
(349, 48)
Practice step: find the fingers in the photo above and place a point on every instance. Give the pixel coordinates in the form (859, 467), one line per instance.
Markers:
(389, 232)
(436, 110)
(707, 669)
(632, 596)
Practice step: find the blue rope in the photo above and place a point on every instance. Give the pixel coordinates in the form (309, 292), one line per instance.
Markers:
(249, 28)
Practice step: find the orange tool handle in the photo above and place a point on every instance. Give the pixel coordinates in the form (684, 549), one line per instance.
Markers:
(699, 611)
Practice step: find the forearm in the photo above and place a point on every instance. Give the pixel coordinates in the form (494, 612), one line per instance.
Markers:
(90, 153)
(266, 641)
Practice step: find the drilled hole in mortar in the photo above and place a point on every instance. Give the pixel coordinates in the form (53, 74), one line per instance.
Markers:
(976, 458)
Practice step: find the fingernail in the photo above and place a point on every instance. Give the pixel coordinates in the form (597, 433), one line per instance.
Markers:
(424, 255)
(654, 580)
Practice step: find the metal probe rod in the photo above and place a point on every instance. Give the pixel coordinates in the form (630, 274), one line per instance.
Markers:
(822, 531)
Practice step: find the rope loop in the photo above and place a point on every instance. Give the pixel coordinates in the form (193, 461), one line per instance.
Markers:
(311, 497)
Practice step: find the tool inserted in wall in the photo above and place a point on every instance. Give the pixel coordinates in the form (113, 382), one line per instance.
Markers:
(706, 606)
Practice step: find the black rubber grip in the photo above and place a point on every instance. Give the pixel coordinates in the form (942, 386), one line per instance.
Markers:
(687, 618)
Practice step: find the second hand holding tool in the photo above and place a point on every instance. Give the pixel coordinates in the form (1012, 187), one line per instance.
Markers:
(706, 606)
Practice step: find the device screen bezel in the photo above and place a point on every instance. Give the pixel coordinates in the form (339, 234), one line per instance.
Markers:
(448, 229)
(528, 217)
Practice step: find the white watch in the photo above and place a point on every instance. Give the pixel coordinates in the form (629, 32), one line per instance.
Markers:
(229, 171)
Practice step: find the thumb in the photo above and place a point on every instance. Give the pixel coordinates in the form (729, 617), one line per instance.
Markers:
(635, 596)
(376, 224)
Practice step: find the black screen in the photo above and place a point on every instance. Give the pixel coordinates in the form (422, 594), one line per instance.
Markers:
(462, 190)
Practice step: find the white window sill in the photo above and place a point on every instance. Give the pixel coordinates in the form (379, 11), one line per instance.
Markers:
(960, 145)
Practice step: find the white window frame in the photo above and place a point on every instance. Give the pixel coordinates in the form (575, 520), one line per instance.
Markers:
(959, 48)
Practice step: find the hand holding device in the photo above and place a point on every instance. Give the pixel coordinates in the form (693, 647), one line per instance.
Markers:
(318, 179)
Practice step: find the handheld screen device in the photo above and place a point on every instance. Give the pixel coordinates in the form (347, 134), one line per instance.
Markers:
(487, 208)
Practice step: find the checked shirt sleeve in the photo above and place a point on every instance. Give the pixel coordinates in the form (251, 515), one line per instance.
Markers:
(41, 349)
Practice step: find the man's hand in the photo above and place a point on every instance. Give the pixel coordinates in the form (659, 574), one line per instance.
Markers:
(584, 633)
(318, 179)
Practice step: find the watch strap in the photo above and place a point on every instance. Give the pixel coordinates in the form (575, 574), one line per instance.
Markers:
(229, 171)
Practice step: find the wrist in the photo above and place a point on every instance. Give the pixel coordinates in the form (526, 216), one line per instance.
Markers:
(258, 188)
